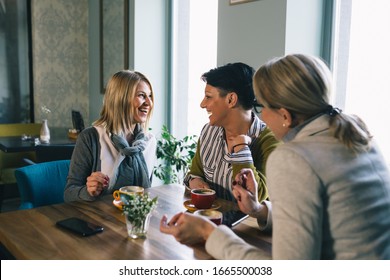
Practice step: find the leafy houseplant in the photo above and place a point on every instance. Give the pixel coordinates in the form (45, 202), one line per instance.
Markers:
(176, 156)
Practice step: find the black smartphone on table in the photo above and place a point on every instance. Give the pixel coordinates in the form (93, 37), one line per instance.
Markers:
(79, 226)
(233, 217)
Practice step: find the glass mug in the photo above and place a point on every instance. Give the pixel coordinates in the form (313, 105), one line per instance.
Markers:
(123, 193)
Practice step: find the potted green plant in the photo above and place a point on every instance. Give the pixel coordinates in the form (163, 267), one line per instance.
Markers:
(175, 156)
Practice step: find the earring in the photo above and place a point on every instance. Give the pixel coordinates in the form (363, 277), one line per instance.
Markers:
(284, 125)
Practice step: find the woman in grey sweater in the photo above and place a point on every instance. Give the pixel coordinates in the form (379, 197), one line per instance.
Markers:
(329, 185)
(117, 150)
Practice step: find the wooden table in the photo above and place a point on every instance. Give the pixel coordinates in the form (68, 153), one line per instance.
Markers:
(32, 234)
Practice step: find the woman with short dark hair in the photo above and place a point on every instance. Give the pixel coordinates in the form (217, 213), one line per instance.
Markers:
(235, 137)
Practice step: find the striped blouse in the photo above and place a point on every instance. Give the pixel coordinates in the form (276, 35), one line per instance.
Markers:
(217, 166)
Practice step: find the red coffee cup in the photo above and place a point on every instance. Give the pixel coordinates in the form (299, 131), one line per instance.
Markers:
(203, 198)
(213, 215)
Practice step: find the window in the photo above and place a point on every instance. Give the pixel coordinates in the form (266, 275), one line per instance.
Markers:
(361, 64)
(194, 52)
(15, 93)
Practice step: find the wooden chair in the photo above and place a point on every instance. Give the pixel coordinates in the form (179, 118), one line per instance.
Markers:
(10, 161)
(42, 183)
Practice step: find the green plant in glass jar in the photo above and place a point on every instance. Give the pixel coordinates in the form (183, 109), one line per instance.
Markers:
(137, 210)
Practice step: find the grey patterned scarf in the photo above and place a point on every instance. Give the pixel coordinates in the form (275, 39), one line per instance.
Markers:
(133, 170)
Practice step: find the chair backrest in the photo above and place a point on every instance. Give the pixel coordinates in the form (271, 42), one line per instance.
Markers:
(42, 183)
(53, 152)
(78, 121)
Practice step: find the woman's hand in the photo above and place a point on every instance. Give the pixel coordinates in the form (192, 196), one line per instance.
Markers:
(96, 183)
(245, 192)
(187, 228)
(198, 183)
(237, 143)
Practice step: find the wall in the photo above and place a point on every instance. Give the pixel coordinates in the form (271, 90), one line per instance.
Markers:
(251, 32)
(256, 31)
(60, 59)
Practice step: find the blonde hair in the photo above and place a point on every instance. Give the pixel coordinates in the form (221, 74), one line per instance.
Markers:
(302, 84)
(118, 113)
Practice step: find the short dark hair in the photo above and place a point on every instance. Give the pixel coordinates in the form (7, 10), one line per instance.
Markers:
(233, 77)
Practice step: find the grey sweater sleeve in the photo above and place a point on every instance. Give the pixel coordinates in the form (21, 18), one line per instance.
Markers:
(85, 160)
